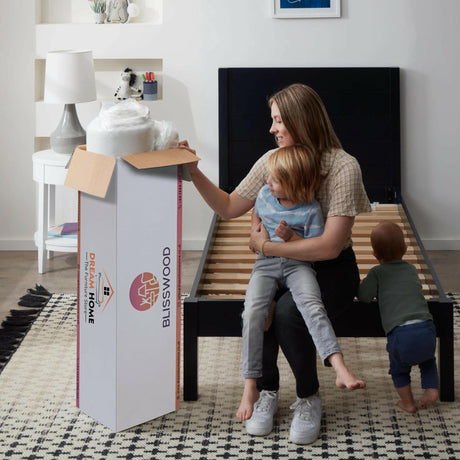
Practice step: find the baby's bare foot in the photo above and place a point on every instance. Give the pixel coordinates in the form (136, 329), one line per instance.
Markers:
(429, 397)
(407, 407)
(250, 396)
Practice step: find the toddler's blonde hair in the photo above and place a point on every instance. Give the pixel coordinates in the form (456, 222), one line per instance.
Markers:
(298, 171)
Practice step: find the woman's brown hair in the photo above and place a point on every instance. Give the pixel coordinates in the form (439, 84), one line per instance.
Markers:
(298, 171)
(305, 117)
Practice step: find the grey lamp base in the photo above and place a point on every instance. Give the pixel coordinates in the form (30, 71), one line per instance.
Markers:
(69, 132)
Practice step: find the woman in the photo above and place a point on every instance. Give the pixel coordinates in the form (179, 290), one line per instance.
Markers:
(299, 117)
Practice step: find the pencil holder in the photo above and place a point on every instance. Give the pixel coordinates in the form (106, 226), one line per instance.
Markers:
(150, 90)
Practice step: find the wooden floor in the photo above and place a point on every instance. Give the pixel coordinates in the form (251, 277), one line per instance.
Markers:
(18, 272)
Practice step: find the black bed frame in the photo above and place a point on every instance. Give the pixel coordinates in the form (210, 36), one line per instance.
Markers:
(363, 104)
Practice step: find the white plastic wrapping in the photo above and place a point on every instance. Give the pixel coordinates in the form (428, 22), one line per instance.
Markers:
(126, 127)
(165, 135)
(123, 114)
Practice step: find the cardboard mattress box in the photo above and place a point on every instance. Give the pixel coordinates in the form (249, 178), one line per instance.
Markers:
(130, 231)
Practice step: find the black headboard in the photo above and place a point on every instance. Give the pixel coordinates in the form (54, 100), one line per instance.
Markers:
(363, 104)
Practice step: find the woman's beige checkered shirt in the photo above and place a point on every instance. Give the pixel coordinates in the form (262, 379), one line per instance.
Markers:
(341, 191)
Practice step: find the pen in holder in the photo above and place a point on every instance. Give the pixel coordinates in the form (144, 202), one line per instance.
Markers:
(150, 90)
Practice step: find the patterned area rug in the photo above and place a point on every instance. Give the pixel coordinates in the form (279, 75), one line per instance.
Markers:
(39, 420)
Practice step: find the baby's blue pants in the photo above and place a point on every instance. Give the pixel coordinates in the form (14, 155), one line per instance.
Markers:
(410, 345)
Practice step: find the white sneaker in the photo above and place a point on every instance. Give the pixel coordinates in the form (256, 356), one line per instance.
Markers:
(261, 421)
(306, 422)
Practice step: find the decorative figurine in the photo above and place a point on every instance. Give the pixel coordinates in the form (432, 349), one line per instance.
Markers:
(128, 88)
(117, 11)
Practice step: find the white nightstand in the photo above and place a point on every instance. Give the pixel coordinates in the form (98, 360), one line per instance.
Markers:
(49, 171)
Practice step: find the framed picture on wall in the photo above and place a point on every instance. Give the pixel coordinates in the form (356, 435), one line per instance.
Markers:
(305, 8)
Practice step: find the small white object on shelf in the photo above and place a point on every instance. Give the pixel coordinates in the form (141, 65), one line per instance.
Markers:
(133, 10)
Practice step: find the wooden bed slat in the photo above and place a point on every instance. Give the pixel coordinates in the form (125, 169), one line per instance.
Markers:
(239, 249)
(229, 260)
(243, 277)
(363, 257)
(240, 289)
(229, 267)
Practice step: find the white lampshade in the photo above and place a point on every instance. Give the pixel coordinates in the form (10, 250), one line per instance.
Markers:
(69, 77)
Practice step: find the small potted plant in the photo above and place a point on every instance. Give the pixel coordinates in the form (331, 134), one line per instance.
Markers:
(99, 9)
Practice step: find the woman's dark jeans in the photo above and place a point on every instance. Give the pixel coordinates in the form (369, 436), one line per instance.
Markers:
(339, 281)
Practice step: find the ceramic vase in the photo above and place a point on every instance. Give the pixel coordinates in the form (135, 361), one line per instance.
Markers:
(99, 18)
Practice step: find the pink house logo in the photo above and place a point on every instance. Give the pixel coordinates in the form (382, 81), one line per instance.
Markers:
(144, 291)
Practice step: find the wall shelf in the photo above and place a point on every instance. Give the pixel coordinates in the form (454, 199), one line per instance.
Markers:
(66, 24)
(78, 11)
(110, 41)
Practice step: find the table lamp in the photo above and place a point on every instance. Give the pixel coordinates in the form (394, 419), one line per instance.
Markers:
(69, 79)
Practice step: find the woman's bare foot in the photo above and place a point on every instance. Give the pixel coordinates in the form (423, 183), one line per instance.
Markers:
(250, 396)
(345, 378)
(429, 397)
(407, 407)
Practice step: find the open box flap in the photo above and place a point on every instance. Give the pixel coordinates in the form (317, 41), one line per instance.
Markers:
(90, 172)
(160, 158)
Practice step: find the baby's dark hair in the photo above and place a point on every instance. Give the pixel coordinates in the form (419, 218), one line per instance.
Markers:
(298, 171)
(387, 241)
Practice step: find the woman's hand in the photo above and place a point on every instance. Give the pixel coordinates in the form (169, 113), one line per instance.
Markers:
(192, 167)
(259, 234)
(184, 145)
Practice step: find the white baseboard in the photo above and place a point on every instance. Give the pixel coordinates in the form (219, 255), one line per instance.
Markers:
(29, 245)
(197, 245)
(17, 245)
(441, 245)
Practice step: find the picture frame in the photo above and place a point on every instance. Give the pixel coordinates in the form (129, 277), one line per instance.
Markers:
(305, 9)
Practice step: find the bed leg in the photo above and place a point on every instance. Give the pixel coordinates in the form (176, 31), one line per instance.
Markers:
(446, 351)
(190, 351)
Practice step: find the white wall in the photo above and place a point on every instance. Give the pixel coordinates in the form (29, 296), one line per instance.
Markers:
(421, 37)
(17, 191)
